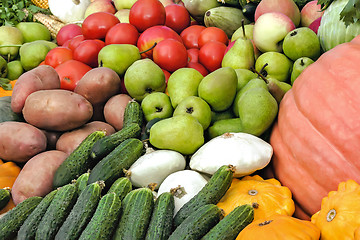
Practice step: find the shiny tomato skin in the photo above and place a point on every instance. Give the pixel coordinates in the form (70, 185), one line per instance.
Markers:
(211, 55)
(190, 35)
(147, 13)
(96, 25)
(212, 34)
(87, 52)
(58, 55)
(199, 67)
(177, 17)
(193, 54)
(170, 55)
(75, 41)
(122, 33)
(70, 73)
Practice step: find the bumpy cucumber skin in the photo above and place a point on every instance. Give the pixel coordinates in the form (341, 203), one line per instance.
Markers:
(133, 114)
(78, 162)
(57, 212)
(104, 220)
(81, 213)
(136, 213)
(122, 157)
(11, 222)
(81, 182)
(232, 224)
(161, 222)
(28, 228)
(198, 223)
(4, 197)
(122, 186)
(211, 193)
(105, 145)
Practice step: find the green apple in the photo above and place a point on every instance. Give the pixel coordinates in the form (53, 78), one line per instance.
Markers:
(33, 31)
(156, 105)
(10, 36)
(278, 66)
(144, 77)
(301, 42)
(196, 107)
(299, 65)
(15, 69)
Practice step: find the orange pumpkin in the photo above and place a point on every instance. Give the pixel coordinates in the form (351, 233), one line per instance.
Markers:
(4, 92)
(8, 174)
(316, 138)
(279, 227)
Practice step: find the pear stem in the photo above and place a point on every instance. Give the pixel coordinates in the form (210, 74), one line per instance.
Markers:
(16, 45)
(243, 28)
(154, 45)
(259, 73)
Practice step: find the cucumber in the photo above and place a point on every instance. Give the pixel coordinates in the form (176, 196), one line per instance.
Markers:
(4, 197)
(122, 186)
(105, 145)
(104, 220)
(78, 162)
(81, 213)
(232, 224)
(81, 182)
(28, 228)
(122, 157)
(198, 223)
(57, 212)
(11, 222)
(161, 222)
(136, 213)
(133, 114)
(211, 193)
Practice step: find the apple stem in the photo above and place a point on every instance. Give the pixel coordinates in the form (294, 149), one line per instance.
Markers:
(259, 72)
(154, 45)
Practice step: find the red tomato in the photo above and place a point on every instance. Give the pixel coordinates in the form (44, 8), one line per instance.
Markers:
(193, 55)
(87, 52)
(211, 55)
(199, 67)
(70, 73)
(58, 55)
(177, 17)
(167, 75)
(67, 32)
(147, 13)
(212, 34)
(96, 25)
(75, 41)
(122, 33)
(190, 35)
(155, 34)
(170, 55)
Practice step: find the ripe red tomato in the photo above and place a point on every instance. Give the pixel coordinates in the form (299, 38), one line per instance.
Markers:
(177, 17)
(70, 73)
(67, 32)
(147, 13)
(212, 34)
(122, 33)
(199, 67)
(75, 41)
(87, 51)
(58, 55)
(193, 55)
(170, 55)
(96, 25)
(167, 75)
(211, 55)
(190, 35)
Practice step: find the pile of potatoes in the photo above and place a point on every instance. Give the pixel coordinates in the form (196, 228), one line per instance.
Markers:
(56, 121)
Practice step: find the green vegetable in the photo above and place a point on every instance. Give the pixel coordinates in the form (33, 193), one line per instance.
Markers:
(81, 182)
(122, 186)
(4, 197)
(350, 13)
(133, 114)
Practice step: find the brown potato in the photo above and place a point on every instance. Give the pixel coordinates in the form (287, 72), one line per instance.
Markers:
(36, 177)
(98, 85)
(40, 78)
(57, 110)
(114, 110)
(68, 141)
(20, 141)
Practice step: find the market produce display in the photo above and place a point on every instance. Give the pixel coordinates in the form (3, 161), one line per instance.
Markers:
(179, 119)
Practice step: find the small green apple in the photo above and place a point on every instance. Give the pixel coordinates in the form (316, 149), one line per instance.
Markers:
(299, 65)
(15, 69)
(302, 42)
(278, 65)
(156, 105)
(197, 107)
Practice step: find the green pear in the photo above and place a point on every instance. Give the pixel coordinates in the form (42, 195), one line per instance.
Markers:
(244, 76)
(299, 65)
(218, 88)
(3, 67)
(182, 83)
(239, 33)
(215, 116)
(275, 65)
(32, 54)
(182, 133)
(144, 77)
(33, 31)
(253, 83)
(240, 55)
(277, 88)
(123, 15)
(15, 69)
(257, 110)
(50, 44)
(196, 107)
(156, 105)
(118, 57)
(10, 36)
(123, 4)
(224, 126)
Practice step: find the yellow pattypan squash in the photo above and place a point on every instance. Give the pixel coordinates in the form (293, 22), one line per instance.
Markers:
(267, 197)
(279, 227)
(338, 217)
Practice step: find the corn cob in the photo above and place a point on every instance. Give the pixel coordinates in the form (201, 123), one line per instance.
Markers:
(41, 3)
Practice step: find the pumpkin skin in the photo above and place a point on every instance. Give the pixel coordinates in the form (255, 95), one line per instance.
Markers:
(8, 174)
(338, 217)
(267, 197)
(278, 227)
(317, 134)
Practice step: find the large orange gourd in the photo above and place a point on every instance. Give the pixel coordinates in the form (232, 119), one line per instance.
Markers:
(316, 138)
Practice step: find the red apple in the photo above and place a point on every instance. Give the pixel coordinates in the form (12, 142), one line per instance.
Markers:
(315, 25)
(67, 32)
(168, 2)
(310, 12)
(100, 6)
